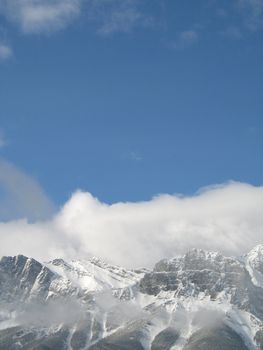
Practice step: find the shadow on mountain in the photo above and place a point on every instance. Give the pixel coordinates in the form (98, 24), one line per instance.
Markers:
(222, 338)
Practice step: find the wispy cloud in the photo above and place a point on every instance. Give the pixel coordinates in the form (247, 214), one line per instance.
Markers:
(221, 13)
(253, 13)
(120, 21)
(21, 196)
(232, 32)
(185, 39)
(135, 156)
(38, 16)
(5, 54)
(113, 16)
(42, 16)
(189, 36)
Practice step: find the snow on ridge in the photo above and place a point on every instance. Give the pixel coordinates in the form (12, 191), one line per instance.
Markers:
(94, 274)
(254, 265)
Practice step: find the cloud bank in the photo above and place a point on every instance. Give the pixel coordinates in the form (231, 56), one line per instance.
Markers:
(227, 218)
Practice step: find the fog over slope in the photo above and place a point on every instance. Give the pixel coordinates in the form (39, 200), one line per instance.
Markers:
(226, 218)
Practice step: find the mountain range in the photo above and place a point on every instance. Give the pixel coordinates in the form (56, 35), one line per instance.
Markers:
(197, 301)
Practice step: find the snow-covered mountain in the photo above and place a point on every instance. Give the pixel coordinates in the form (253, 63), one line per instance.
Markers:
(201, 300)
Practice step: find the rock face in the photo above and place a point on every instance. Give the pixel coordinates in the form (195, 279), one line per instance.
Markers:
(211, 274)
(19, 277)
(200, 301)
(197, 272)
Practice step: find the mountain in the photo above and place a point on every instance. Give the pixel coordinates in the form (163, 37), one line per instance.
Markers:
(198, 301)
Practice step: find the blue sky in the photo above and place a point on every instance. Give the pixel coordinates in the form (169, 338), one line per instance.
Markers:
(128, 99)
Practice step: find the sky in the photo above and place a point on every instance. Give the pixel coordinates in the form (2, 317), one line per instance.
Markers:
(126, 101)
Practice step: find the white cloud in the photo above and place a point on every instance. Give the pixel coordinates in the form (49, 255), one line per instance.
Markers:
(227, 218)
(21, 196)
(38, 16)
(5, 54)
